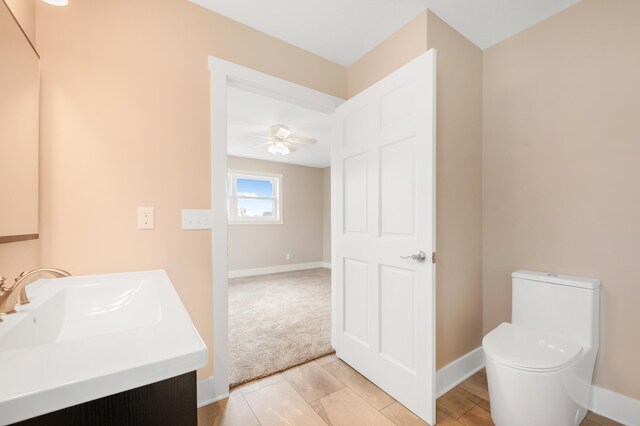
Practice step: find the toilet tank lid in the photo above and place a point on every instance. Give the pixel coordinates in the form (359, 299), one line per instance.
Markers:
(569, 280)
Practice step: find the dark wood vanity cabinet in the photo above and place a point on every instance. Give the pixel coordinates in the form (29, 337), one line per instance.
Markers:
(170, 402)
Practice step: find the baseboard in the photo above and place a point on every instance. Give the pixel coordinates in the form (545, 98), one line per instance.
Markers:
(275, 269)
(326, 265)
(206, 392)
(615, 406)
(456, 372)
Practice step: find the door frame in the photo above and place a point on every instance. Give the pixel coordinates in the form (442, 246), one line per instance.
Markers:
(224, 74)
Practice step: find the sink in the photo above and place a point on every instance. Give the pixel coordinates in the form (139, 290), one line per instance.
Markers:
(83, 338)
(84, 311)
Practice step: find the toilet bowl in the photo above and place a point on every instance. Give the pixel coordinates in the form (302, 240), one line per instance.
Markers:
(540, 366)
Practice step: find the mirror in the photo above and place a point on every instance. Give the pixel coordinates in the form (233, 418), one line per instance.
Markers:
(19, 131)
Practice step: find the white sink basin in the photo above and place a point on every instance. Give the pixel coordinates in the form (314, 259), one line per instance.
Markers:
(83, 338)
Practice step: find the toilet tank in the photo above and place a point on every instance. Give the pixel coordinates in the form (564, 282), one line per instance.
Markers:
(562, 305)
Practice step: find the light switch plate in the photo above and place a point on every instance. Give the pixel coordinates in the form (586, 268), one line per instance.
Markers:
(196, 219)
(146, 218)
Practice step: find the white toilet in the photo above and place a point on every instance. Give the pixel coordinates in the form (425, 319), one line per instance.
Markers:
(540, 366)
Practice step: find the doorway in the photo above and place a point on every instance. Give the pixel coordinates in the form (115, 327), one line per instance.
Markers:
(383, 225)
(278, 205)
(227, 76)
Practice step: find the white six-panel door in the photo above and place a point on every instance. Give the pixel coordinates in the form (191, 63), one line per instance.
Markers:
(383, 170)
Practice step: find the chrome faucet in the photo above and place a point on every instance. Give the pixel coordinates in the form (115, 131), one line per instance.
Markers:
(15, 295)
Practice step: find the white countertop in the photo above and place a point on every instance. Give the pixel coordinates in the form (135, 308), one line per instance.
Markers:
(83, 338)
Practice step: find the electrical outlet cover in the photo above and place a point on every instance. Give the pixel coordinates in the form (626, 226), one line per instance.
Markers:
(146, 218)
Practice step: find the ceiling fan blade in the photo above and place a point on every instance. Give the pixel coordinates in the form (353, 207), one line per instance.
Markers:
(253, 135)
(306, 141)
(263, 144)
(283, 133)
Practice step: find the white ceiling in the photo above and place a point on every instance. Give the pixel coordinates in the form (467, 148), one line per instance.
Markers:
(487, 22)
(250, 113)
(344, 30)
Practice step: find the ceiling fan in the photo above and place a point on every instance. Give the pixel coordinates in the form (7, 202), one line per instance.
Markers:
(282, 140)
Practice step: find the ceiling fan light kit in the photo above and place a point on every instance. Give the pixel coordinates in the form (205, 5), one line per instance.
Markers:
(282, 140)
(279, 148)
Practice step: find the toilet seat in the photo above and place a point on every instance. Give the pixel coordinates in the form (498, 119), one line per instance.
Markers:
(528, 349)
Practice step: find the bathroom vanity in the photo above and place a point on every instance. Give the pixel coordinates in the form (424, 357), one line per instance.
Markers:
(107, 349)
(168, 402)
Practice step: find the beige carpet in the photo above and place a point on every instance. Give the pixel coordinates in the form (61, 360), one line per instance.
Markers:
(278, 321)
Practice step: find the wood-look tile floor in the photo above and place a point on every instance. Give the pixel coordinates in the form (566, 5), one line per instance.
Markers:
(329, 392)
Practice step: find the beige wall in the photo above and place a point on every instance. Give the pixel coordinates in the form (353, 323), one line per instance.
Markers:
(125, 123)
(25, 13)
(399, 49)
(18, 257)
(561, 176)
(458, 192)
(301, 234)
(459, 170)
(326, 215)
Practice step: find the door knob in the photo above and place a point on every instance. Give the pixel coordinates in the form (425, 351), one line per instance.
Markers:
(419, 257)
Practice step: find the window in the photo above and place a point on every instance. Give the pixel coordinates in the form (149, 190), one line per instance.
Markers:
(254, 198)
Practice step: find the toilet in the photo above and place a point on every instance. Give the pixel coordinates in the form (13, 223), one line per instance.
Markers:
(540, 366)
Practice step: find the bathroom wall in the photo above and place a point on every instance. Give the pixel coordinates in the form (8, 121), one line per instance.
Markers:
(458, 192)
(125, 123)
(398, 49)
(458, 171)
(18, 257)
(301, 234)
(561, 178)
(25, 13)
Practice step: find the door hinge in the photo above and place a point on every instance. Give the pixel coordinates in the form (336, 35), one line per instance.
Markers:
(433, 257)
